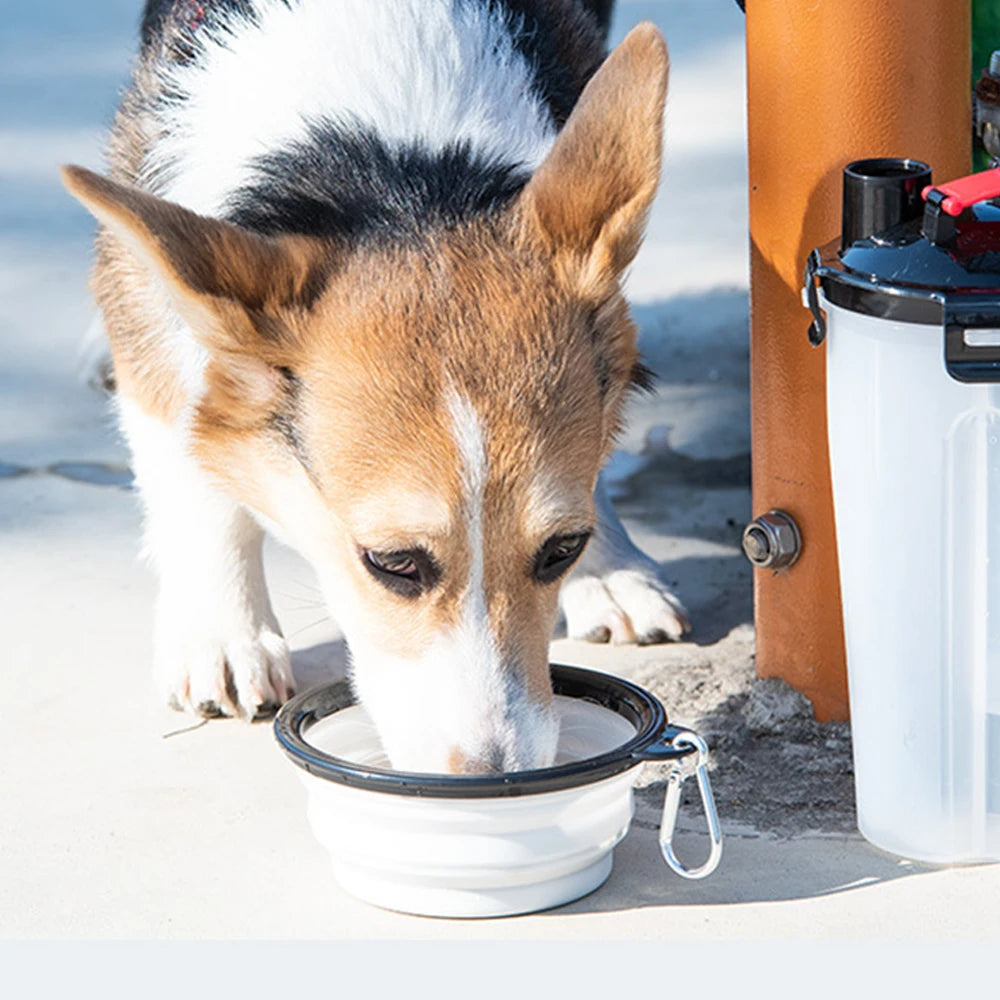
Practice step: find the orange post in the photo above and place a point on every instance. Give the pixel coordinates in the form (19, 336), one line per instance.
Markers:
(828, 82)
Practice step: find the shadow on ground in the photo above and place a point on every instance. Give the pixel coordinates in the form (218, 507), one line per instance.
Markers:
(319, 664)
(753, 869)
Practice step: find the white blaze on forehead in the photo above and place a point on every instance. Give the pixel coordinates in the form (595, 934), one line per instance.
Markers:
(475, 635)
(467, 430)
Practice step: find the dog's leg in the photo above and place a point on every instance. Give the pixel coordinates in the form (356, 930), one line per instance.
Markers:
(218, 646)
(615, 592)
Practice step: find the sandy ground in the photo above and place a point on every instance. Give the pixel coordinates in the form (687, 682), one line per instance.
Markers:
(118, 820)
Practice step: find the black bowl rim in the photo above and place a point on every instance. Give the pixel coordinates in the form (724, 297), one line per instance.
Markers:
(650, 742)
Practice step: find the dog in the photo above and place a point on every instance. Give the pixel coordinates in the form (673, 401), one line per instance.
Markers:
(359, 266)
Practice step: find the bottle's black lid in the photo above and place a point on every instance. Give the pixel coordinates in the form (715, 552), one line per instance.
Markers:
(937, 262)
(903, 255)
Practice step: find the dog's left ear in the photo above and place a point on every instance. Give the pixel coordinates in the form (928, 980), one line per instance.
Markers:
(228, 283)
(591, 194)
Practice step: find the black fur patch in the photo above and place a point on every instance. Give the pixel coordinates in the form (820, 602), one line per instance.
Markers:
(284, 420)
(602, 11)
(350, 184)
(542, 35)
(643, 379)
(175, 23)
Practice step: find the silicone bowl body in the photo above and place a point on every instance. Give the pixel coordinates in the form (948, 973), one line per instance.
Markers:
(476, 845)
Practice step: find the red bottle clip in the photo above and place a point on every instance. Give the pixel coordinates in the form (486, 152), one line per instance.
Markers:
(966, 191)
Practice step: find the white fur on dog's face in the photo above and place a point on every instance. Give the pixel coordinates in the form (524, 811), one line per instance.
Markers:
(463, 703)
(456, 677)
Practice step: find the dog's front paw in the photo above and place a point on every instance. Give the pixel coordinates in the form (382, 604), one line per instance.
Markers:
(246, 673)
(614, 593)
(623, 606)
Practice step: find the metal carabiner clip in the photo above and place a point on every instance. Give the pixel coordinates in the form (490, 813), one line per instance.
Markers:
(672, 800)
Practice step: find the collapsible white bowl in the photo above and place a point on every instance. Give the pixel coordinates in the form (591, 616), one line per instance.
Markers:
(497, 844)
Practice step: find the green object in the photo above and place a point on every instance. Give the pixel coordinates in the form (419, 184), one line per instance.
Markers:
(985, 40)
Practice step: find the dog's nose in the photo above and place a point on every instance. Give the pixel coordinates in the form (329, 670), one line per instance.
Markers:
(490, 759)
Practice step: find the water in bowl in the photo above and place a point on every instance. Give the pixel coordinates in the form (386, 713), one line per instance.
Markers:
(585, 730)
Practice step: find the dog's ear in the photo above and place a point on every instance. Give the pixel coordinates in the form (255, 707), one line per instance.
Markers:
(229, 284)
(591, 194)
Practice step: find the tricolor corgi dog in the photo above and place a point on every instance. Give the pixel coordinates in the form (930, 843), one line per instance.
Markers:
(359, 265)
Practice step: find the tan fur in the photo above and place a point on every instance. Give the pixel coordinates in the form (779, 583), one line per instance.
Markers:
(608, 171)
(227, 284)
(521, 314)
(377, 358)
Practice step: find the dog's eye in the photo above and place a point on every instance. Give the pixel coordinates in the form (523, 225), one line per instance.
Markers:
(407, 573)
(557, 555)
(396, 563)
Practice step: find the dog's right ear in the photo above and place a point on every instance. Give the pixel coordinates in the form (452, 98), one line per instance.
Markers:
(590, 196)
(228, 283)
